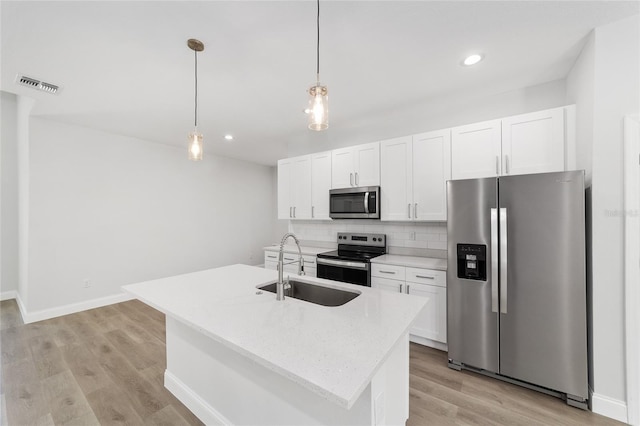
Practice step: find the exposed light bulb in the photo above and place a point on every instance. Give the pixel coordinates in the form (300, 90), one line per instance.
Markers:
(195, 146)
(318, 107)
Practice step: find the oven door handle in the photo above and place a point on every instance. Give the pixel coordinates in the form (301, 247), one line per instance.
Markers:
(342, 263)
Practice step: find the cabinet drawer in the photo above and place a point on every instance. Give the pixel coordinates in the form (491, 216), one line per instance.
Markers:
(393, 272)
(427, 276)
(270, 256)
(309, 261)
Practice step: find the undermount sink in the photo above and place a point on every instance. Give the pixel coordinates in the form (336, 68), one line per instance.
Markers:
(320, 295)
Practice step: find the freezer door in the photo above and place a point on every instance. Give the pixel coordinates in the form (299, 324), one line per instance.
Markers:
(472, 325)
(543, 331)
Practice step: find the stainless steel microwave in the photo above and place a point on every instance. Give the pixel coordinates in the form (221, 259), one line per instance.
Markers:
(355, 203)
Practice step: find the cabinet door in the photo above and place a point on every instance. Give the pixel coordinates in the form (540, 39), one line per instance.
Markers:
(342, 168)
(284, 189)
(301, 187)
(432, 321)
(396, 202)
(367, 170)
(386, 284)
(320, 185)
(431, 165)
(475, 150)
(533, 143)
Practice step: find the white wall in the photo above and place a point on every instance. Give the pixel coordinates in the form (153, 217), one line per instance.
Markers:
(433, 114)
(616, 95)
(9, 196)
(580, 91)
(604, 83)
(117, 210)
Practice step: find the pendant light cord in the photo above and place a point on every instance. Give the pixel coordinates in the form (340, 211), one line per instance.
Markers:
(318, 44)
(195, 52)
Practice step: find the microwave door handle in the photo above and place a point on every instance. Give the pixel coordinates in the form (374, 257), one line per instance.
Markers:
(366, 202)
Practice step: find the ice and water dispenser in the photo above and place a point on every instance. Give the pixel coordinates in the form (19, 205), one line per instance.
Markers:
(472, 261)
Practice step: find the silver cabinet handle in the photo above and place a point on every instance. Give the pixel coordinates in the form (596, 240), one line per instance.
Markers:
(409, 210)
(494, 260)
(503, 261)
(425, 277)
(272, 257)
(497, 165)
(357, 180)
(506, 164)
(312, 216)
(289, 258)
(388, 272)
(290, 211)
(351, 179)
(401, 288)
(415, 211)
(408, 288)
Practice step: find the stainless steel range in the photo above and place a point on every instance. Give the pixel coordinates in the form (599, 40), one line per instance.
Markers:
(351, 262)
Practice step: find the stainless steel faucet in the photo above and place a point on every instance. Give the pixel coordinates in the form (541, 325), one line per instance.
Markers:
(280, 283)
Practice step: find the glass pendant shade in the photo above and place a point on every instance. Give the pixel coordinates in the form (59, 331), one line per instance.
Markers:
(318, 107)
(195, 146)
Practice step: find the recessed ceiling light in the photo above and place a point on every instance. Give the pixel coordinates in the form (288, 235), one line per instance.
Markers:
(228, 137)
(472, 60)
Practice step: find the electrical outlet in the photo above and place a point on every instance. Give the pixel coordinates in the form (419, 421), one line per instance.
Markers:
(413, 236)
(86, 283)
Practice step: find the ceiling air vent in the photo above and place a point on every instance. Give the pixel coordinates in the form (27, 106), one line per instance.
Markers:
(37, 84)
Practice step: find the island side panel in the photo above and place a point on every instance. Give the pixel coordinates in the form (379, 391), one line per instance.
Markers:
(221, 386)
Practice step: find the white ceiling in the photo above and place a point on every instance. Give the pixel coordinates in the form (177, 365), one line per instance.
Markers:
(125, 66)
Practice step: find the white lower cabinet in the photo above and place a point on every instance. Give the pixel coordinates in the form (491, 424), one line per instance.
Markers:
(271, 262)
(430, 327)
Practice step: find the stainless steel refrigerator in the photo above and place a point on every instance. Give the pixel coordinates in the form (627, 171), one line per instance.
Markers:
(516, 280)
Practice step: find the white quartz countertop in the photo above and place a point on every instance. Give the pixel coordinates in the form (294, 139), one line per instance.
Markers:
(292, 248)
(333, 351)
(412, 261)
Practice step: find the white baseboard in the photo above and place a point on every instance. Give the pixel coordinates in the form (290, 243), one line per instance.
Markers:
(428, 342)
(205, 412)
(609, 407)
(8, 295)
(44, 314)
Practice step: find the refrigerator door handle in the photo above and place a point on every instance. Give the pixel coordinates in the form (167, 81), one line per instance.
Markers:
(503, 261)
(494, 260)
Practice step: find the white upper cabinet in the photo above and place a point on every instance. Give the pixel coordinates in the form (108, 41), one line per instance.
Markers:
(320, 185)
(533, 143)
(431, 171)
(356, 166)
(413, 175)
(396, 179)
(476, 150)
(294, 188)
(526, 143)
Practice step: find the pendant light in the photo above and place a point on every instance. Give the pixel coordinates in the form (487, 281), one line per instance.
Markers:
(195, 138)
(318, 110)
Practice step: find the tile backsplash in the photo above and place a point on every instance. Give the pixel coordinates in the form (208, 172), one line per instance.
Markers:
(413, 239)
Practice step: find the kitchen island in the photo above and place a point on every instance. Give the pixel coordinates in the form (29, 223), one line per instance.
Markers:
(235, 355)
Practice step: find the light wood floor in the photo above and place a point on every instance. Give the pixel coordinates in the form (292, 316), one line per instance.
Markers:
(105, 366)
